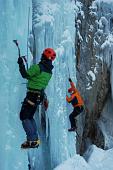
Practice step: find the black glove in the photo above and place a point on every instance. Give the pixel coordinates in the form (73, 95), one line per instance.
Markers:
(70, 80)
(20, 61)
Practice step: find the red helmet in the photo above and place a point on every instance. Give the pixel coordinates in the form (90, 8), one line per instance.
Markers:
(49, 53)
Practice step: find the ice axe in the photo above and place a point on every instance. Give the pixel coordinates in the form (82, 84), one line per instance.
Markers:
(68, 72)
(16, 43)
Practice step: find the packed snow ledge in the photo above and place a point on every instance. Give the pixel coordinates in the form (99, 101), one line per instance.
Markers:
(96, 159)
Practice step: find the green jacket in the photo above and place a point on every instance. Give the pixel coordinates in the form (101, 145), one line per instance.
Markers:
(37, 79)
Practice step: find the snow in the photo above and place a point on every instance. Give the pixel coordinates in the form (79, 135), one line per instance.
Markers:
(101, 159)
(79, 36)
(75, 163)
(95, 70)
(92, 75)
(78, 9)
(97, 159)
(89, 87)
(97, 3)
(91, 28)
(108, 42)
(104, 34)
(106, 1)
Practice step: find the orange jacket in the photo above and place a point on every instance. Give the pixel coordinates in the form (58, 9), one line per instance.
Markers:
(75, 99)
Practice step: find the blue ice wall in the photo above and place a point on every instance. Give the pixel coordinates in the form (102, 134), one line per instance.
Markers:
(13, 25)
(54, 26)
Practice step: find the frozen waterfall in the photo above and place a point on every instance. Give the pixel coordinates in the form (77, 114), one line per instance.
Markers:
(53, 26)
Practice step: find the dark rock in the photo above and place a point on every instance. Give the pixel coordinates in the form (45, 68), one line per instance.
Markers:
(93, 75)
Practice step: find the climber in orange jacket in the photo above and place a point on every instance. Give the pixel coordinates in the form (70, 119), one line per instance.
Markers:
(77, 102)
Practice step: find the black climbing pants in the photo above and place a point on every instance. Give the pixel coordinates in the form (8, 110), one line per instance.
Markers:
(27, 112)
(77, 110)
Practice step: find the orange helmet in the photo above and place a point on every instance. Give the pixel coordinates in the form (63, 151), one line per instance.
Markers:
(70, 90)
(49, 53)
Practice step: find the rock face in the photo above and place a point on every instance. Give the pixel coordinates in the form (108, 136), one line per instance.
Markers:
(93, 75)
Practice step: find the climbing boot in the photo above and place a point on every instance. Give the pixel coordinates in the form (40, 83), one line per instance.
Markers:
(72, 129)
(30, 144)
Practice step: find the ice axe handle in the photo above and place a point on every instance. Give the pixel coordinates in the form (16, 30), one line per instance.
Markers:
(24, 57)
(16, 42)
(70, 79)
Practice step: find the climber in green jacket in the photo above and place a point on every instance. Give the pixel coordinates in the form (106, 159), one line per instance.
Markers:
(38, 76)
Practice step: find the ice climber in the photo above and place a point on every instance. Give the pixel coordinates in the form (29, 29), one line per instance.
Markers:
(38, 76)
(76, 100)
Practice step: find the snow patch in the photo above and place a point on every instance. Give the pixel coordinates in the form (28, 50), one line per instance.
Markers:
(101, 159)
(92, 75)
(75, 163)
(91, 27)
(106, 1)
(89, 87)
(108, 42)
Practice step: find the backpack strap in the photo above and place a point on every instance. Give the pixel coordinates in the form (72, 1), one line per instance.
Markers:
(40, 67)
